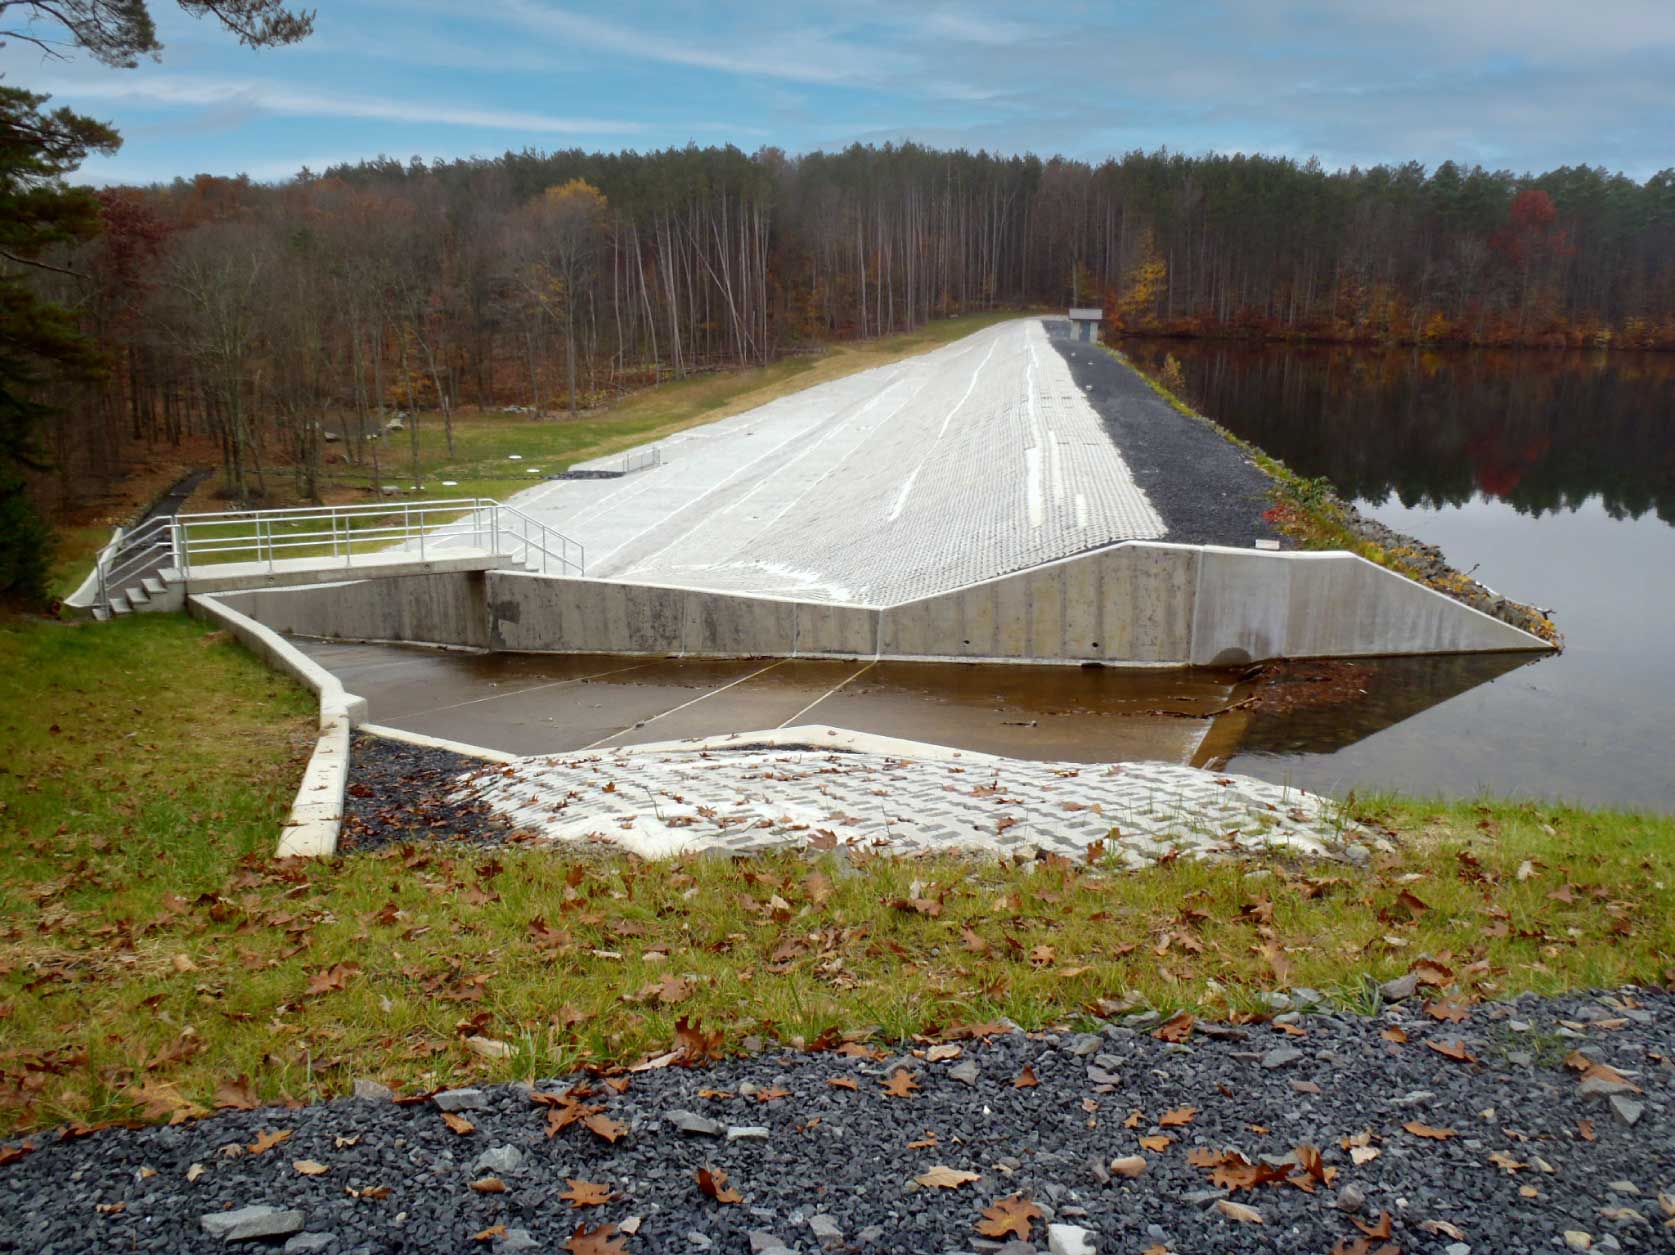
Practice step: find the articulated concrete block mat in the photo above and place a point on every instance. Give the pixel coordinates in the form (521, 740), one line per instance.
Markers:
(819, 787)
(925, 475)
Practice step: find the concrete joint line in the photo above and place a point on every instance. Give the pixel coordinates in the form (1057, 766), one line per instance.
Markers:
(677, 709)
(437, 742)
(855, 675)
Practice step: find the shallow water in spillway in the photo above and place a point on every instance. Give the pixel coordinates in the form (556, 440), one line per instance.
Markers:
(550, 703)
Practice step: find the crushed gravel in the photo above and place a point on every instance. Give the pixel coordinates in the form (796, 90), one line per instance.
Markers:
(1525, 1154)
(1206, 491)
(399, 792)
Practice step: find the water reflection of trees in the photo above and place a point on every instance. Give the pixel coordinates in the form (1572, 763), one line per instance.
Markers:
(1543, 431)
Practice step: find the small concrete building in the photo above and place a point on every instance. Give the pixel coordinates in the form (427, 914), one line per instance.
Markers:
(1084, 324)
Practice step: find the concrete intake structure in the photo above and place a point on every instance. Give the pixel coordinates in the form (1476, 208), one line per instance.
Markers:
(1136, 603)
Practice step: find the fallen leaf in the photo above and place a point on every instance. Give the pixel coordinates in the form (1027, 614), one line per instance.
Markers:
(600, 1241)
(489, 1234)
(843, 1082)
(1177, 1117)
(1025, 1079)
(331, 979)
(1425, 1130)
(1156, 1142)
(946, 1050)
(489, 1185)
(602, 1126)
(1397, 1035)
(713, 1181)
(772, 1093)
(1013, 1214)
(238, 1094)
(586, 1193)
(310, 1167)
(941, 1178)
(1129, 1165)
(194, 1172)
(458, 1123)
(900, 1083)
(1452, 1050)
(1238, 1212)
(267, 1141)
(1378, 1229)
(1359, 1155)
(1177, 1028)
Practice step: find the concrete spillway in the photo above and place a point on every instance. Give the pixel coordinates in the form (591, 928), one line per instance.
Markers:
(969, 504)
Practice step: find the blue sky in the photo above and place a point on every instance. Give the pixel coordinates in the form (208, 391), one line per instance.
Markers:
(1522, 84)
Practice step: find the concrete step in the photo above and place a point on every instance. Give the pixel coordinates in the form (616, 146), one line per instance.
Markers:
(101, 615)
(137, 596)
(154, 586)
(119, 605)
(169, 575)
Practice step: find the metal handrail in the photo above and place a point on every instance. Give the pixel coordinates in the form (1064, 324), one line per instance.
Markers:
(338, 534)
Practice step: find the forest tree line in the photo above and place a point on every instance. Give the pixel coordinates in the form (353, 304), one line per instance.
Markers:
(265, 315)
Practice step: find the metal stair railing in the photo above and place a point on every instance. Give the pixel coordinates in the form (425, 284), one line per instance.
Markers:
(555, 548)
(337, 535)
(150, 547)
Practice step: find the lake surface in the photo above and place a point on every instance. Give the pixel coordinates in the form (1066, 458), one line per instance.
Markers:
(1551, 477)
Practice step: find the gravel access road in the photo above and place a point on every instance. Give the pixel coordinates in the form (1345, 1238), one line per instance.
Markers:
(1529, 1126)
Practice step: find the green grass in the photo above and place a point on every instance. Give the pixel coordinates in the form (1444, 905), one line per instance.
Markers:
(74, 556)
(151, 951)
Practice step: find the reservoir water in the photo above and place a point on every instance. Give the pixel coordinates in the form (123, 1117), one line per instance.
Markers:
(1551, 477)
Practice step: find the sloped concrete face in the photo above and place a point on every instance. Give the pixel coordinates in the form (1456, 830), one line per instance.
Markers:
(1252, 606)
(1130, 603)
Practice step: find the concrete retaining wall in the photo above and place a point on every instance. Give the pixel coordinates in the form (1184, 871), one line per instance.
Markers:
(1141, 603)
(442, 609)
(547, 613)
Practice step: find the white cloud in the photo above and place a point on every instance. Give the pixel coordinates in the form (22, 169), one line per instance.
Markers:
(800, 54)
(297, 102)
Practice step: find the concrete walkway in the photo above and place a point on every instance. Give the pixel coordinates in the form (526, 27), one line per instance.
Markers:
(977, 459)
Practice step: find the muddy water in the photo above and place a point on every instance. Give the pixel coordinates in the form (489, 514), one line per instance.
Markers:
(543, 704)
(1551, 476)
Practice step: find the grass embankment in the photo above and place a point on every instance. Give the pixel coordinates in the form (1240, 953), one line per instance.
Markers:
(151, 953)
(1310, 513)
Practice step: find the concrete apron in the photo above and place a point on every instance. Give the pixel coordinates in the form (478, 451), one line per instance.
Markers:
(547, 704)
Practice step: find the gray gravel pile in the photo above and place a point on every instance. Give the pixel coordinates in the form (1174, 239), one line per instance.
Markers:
(399, 792)
(1516, 1151)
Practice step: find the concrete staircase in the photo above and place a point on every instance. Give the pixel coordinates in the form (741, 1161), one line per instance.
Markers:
(164, 590)
(168, 557)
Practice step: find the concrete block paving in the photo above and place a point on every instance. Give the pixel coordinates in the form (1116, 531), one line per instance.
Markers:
(819, 787)
(969, 462)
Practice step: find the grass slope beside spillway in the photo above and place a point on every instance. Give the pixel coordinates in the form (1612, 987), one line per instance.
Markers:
(155, 961)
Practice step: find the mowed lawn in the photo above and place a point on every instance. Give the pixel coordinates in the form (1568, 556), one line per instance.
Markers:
(155, 961)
